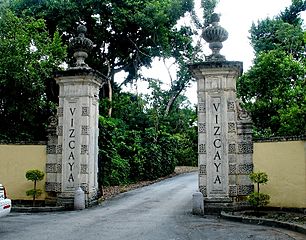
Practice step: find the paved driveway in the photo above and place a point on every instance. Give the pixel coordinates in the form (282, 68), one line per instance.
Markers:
(161, 211)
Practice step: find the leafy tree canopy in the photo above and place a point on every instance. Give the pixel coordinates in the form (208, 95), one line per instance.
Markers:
(28, 58)
(284, 32)
(273, 90)
(208, 7)
(140, 142)
(127, 33)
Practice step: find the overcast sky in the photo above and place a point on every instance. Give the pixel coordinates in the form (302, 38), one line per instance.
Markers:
(237, 17)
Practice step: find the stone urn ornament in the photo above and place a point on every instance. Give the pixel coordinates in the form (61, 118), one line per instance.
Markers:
(214, 34)
(81, 46)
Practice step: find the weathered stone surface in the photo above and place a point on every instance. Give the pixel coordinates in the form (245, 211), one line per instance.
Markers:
(224, 135)
(214, 34)
(73, 153)
(79, 199)
(197, 203)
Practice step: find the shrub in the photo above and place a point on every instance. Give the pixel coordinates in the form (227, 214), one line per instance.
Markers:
(258, 199)
(120, 171)
(34, 175)
(259, 178)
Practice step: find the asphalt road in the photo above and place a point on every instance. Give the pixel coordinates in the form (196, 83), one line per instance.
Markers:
(161, 211)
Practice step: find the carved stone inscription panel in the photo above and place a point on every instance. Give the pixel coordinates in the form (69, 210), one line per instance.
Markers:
(70, 145)
(216, 157)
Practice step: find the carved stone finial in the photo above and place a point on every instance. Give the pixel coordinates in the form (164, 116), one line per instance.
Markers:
(214, 34)
(81, 47)
(242, 114)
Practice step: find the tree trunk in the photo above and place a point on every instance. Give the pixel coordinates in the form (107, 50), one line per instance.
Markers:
(110, 97)
(34, 195)
(172, 100)
(258, 188)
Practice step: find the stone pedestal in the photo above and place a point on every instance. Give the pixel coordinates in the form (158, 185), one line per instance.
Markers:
(79, 199)
(73, 158)
(197, 204)
(224, 137)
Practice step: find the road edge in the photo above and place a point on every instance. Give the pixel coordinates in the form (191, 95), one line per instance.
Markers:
(267, 222)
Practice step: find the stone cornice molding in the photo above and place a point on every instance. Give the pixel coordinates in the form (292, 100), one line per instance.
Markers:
(79, 75)
(205, 67)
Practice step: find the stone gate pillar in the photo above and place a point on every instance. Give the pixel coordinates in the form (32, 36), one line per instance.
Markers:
(224, 129)
(74, 162)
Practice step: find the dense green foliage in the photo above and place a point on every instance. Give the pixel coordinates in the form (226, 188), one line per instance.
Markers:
(259, 178)
(34, 175)
(27, 61)
(273, 90)
(258, 199)
(127, 33)
(208, 9)
(140, 142)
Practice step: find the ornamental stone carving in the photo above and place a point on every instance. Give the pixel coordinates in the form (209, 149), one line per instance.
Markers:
(203, 190)
(232, 148)
(202, 128)
(243, 115)
(245, 169)
(232, 190)
(201, 107)
(85, 111)
(59, 149)
(51, 168)
(231, 127)
(244, 148)
(214, 34)
(202, 169)
(51, 149)
(202, 148)
(81, 46)
(245, 190)
(60, 112)
(231, 106)
(53, 187)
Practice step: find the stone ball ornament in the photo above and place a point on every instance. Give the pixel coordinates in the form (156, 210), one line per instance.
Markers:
(214, 34)
(81, 46)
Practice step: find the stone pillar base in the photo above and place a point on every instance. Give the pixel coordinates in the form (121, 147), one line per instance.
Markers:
(66, 199)
(51, 199)
(214, 206)
(91, 198)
